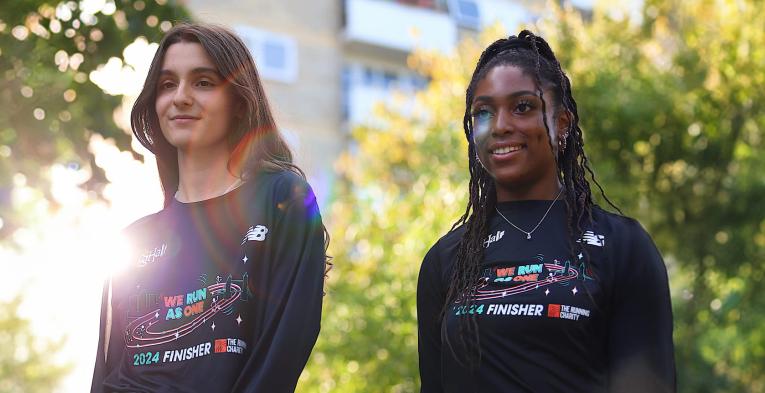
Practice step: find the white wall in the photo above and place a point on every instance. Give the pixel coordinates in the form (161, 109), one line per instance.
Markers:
(397, 26)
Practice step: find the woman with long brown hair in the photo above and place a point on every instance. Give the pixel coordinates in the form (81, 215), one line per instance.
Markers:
(224, 292)
(536, 288)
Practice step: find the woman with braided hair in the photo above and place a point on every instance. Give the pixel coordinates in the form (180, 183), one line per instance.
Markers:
(536, 288)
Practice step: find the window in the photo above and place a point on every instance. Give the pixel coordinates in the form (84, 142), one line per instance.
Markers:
(389, 79)
(365, 85)
(275, 54)
(466, 13)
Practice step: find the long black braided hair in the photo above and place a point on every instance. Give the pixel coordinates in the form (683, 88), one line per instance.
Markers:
(532, 54)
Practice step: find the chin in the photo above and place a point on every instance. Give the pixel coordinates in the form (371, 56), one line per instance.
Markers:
(508, 176)
(513, 179)
(510, 183)
(178, 139)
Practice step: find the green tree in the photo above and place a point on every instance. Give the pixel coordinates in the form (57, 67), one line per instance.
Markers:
(672, 109)
(51, 108)
(27, 365)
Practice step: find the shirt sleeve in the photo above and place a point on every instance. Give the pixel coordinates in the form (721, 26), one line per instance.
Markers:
(292, 310)
(641, 351)
(99, 371)
(430, 301)
(109, 348)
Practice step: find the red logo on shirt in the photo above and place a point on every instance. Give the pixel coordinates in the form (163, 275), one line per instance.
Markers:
(220, 346)
(553, 311)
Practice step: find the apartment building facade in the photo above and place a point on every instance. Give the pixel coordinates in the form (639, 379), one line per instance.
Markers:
(325, 63)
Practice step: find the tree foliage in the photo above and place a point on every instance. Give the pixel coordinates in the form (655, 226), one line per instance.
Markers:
(50, 106)
(27, 365)
(674, 112)
(671, 103)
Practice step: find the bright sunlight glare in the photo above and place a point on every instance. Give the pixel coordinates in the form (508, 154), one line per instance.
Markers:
(71, 246)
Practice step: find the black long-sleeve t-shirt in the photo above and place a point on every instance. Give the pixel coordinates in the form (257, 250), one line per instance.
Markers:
(549, 321)
(223, 295)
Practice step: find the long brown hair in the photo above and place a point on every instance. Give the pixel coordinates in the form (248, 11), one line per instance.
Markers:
(255, 143)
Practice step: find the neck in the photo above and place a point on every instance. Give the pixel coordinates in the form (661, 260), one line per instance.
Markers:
(203, 175)
(547, 190)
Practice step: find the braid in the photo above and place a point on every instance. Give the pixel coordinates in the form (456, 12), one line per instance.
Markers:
(534, 55)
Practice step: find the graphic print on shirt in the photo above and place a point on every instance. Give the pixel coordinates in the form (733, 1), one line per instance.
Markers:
(177, 315)
(538, 278)
(156, 319)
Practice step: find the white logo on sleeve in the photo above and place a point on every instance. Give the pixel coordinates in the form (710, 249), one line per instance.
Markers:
(592, 239)
(257, 233)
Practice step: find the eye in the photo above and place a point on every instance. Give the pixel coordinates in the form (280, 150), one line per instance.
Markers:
(205, 83)
(523, 106)
(166, 84)
(481, 115)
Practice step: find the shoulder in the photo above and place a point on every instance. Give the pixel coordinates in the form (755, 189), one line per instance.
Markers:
(448, 243)
(632, 250)
(286, 198)
(284, 186)
(617, 228)
(144, 223)
(441, 254)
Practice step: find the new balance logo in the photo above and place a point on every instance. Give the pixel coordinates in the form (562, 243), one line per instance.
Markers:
(493, 238)
(257, 233)
(589, 237)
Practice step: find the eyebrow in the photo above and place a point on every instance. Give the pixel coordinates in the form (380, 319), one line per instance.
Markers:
(198, 70)
(511, 95)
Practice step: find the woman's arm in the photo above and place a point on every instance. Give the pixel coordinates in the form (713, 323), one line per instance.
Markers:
(292, 306)
(430, 301)
(101, 368)
(641, 351)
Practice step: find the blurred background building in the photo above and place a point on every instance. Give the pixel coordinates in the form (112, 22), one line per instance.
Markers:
(325, 63)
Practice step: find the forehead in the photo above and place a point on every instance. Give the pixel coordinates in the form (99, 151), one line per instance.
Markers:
(504, 80)
(186, 56)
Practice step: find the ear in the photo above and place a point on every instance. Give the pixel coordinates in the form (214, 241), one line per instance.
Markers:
(563, 123)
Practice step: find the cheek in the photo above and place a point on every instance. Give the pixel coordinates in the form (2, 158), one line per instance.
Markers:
(224, 117)
(542, 135)
(161, 104)
(481, 132)
(542, 138)
(219, 103)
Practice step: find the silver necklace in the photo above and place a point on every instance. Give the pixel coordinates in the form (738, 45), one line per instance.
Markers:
(528, 233)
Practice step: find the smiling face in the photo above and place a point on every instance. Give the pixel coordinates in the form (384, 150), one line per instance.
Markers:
(194, 104)
(510, 137)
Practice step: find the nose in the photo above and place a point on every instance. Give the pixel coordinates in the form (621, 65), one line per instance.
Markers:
(503, 122)
(182, 95)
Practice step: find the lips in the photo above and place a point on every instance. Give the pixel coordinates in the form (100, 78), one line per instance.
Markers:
(505, 149)
(184, 117)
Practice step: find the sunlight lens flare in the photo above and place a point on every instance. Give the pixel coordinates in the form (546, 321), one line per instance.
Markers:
(481, 132)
